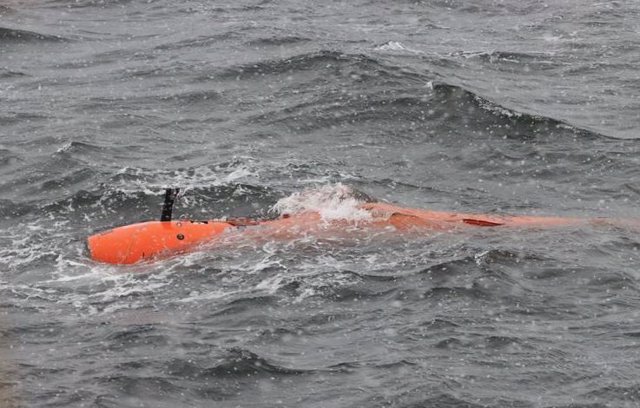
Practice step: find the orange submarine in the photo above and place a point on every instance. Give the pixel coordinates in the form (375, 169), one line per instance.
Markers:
(157, 239)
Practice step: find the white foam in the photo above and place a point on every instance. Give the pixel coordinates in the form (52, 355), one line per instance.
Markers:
(392, 46)
(396, 46)
(149, 181)
(332, 202)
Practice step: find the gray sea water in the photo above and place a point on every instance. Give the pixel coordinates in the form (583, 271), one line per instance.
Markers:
(514, 106)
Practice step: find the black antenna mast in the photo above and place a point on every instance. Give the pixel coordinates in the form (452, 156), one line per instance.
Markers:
(170, 196)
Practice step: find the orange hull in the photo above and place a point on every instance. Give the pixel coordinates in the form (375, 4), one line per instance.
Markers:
(154, 239)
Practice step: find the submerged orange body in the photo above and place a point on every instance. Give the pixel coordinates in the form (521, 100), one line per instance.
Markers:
(413, 217)
(153, 239)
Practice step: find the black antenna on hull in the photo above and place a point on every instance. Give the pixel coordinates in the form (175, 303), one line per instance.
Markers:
(170, 196)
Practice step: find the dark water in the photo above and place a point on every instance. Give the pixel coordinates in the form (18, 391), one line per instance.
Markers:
(487, 106)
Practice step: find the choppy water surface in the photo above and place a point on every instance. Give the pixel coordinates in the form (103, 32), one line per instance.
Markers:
(477, 106)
